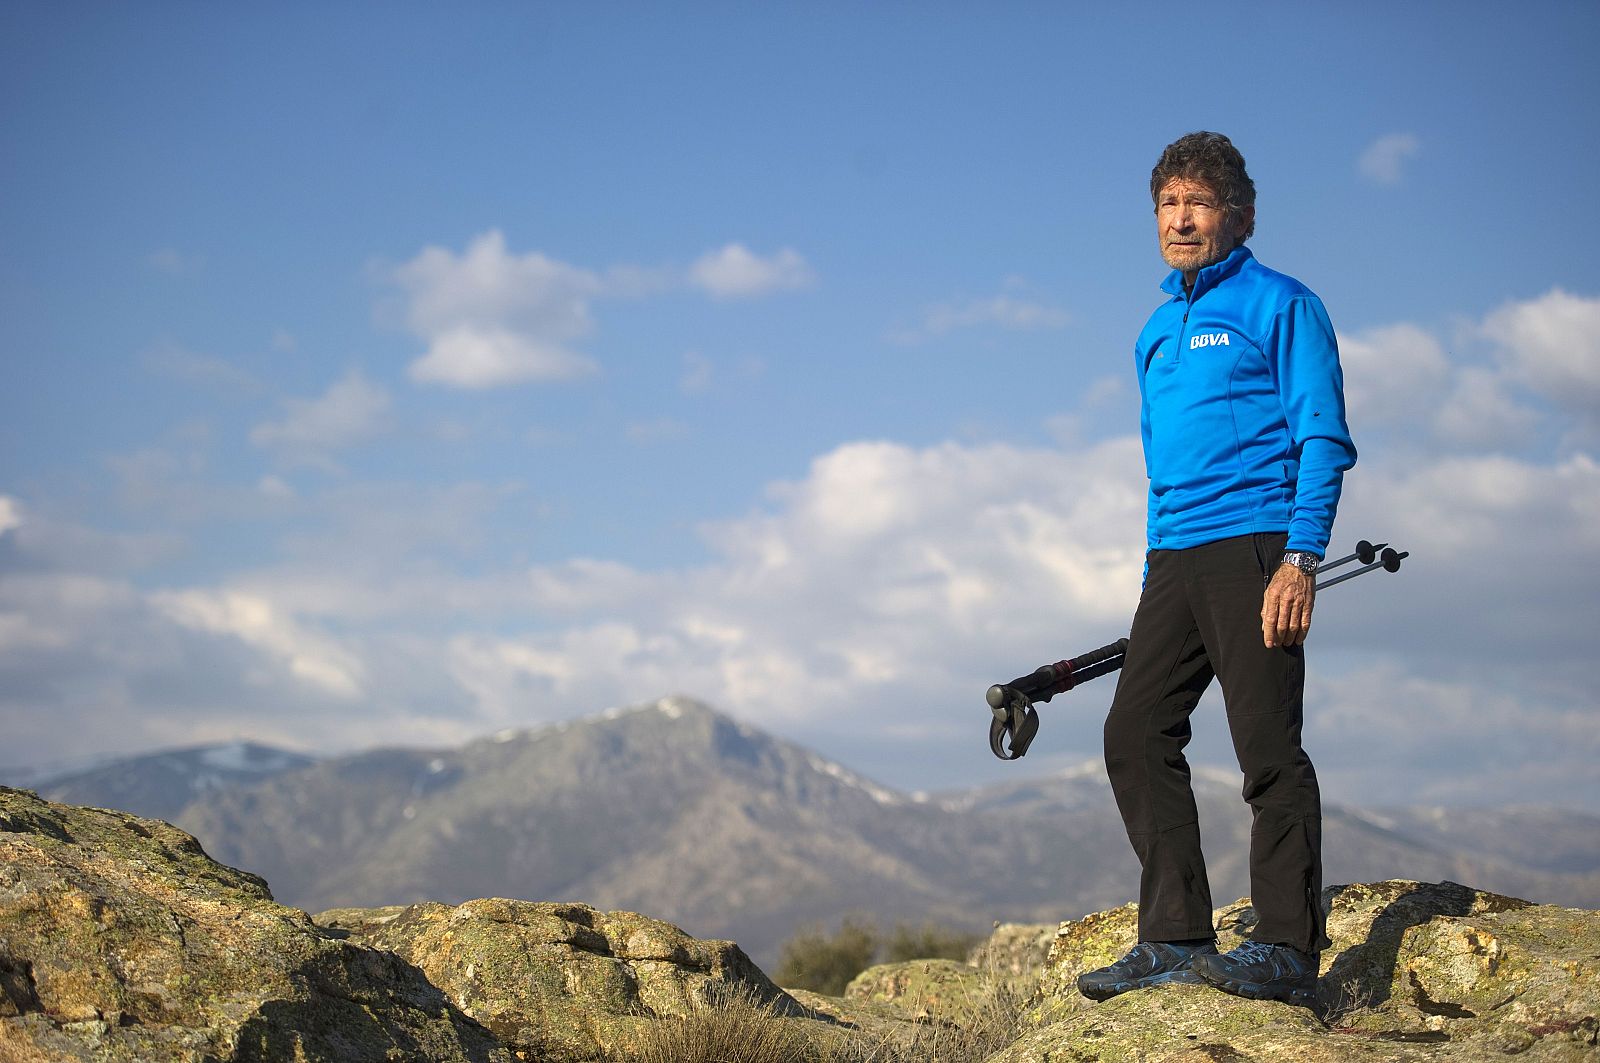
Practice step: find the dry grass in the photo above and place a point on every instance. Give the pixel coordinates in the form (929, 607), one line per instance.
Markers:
(741, 1029)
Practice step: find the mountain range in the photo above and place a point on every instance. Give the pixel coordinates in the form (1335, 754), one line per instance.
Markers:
(681, 812)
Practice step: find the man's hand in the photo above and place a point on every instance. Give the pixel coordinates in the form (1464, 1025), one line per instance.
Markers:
(1286, 607)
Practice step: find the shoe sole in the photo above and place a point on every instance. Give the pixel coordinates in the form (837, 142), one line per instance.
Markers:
(1116, 989)
(1305, 998)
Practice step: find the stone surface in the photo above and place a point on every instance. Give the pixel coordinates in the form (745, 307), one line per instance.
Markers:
(563, 981)
(1416, 971)
(121, 940)
(1015, 950)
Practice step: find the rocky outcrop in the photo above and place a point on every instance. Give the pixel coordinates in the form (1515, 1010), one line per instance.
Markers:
(561, 981)
(1417, 971)
(121, 940)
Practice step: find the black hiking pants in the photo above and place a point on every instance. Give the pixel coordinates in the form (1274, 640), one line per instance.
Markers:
(1199, 617)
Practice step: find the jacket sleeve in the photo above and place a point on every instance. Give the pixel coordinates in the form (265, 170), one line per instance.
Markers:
(1305, 362)
(1144, 438)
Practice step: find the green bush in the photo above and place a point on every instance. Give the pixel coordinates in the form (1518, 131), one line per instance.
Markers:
(825, 963)
(929, 941)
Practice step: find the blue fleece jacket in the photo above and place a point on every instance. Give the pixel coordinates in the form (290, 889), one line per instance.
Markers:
(1242, 409)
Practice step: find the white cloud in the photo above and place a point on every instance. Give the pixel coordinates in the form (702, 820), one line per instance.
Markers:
(1385, 159)
(1480, 411)
(1551, 345)
(314, 659)
(1392, 374)
(657, 430)
(698, 373)
(1385, 734)
(352, 410)
(1522, 371)
(873, 597)
(886, 566)
(474, 356)
(734, 272)
(175, 361)
(492, 318)
(1012, 313)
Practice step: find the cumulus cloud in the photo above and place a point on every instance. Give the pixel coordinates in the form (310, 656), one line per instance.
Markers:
(1392, 374)
(352, 410)
(173, 360)
(1551, 344)
(1009, 312)
(887, 571)
(864, 605)
(1384, 161)
(313, 658)
(736, 272)
(492, 318)
(1529, 368)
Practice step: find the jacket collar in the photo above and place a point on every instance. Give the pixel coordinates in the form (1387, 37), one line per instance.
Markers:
(1209, 277)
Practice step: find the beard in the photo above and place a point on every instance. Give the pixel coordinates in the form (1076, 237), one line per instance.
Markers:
(1191, 258)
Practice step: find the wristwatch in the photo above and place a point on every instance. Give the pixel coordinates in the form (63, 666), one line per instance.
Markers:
(1304, 560)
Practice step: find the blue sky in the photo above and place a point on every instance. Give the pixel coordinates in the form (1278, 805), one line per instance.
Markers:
(402, 372)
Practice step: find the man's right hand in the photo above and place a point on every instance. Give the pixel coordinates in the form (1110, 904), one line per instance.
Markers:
(1286, 606)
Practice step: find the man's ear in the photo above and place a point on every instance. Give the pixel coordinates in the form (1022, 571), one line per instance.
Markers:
(1244, 221)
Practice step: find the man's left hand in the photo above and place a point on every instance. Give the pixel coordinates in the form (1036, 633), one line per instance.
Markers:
(1286, 607)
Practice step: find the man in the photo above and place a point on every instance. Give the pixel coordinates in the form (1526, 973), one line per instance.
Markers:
(1246, 447)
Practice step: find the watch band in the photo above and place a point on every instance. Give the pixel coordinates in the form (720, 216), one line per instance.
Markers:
(1304, 560)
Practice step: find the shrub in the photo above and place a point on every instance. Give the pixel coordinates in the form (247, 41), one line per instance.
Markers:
(929, 941)
(825, 964)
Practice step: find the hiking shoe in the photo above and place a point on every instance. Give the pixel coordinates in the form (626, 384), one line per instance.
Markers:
(1262, 972)
(1150, 963)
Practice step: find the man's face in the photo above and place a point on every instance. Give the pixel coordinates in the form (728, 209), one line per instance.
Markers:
(1194, 226)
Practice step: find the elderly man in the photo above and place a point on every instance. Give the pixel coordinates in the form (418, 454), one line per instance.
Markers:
(1246, 447)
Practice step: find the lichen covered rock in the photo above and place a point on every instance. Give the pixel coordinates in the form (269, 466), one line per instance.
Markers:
(121, 940)
(1015, 950)
(1416, 971)
(564, 981)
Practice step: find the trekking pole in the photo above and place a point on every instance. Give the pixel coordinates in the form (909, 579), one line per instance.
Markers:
(1389, 561)
(1016, 721)
(1365, 553)
(1012, 703)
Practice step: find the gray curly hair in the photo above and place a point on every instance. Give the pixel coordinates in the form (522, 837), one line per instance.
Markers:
(1212, 159)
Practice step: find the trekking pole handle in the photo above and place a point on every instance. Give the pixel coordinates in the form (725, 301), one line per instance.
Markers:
(1045, 683)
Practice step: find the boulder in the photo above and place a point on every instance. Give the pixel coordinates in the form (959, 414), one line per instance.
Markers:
(1416, 971)
(561, 981)
(1015, 950)
(120, 940)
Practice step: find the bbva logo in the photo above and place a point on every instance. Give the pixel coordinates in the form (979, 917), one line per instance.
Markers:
(1208, 339)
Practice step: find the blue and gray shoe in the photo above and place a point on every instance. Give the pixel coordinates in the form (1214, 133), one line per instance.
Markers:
(1150, 963)
(1263, 972)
